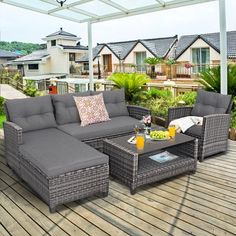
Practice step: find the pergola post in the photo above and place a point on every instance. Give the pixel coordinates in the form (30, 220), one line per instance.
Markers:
(90, 56)
(223, 48)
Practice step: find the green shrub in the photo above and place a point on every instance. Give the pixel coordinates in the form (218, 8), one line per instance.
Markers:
(189, 98)
(2, 101)
(153, 93)
(159, 106)
(233, 119)
(30, 89)
(131, 82)
(2, 120)
(157, 93)
(233, 114)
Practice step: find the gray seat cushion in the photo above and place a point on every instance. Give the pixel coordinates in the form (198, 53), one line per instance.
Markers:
(115, 102)
(208, 103)
(65, 108)
(55, 152)
(31, 113)
(195, 131)
(117, 125)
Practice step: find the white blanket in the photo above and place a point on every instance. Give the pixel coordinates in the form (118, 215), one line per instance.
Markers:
(184, 123)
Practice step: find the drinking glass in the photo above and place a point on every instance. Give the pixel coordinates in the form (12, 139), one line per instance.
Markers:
(140, 140)
(172, 131)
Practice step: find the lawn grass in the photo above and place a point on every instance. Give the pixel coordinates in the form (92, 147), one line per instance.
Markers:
(2, 119)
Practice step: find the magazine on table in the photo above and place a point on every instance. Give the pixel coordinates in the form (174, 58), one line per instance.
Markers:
(163, 157)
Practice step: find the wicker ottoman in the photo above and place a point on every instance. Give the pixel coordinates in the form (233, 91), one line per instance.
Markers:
(56, 166)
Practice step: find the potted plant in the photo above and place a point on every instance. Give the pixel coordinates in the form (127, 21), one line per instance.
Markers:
(153, 61)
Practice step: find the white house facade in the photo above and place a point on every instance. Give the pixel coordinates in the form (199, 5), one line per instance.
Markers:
(204, 50)
(63, 49)
(121, 56)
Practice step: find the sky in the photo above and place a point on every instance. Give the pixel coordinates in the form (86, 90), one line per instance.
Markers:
(26, 26)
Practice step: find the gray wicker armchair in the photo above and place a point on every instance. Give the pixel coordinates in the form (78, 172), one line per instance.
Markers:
(213, 134)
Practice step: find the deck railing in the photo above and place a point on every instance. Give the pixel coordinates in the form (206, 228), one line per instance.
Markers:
(179, 70)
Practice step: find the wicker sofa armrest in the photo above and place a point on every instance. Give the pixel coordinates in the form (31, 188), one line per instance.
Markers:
(178, 112)
(215, 127)
(138, 112)
(12, 137)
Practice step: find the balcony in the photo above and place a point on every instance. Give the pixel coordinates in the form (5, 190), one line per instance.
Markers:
(163, 71)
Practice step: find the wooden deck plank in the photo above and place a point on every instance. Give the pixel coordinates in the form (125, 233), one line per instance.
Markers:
(147, 213)
(200, 204)
(97, 220)
(200, 198)
(211, 190)
(10, 224)
(131, 215)
(197, 203)
(114, 219)
(176, 209)
(33, 213)
(61, 219)
(29, 224)
(3, 231)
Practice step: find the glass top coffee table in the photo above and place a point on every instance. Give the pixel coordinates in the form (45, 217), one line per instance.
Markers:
(136, 168)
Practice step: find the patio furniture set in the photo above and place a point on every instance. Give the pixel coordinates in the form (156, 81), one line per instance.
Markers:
(63, 161)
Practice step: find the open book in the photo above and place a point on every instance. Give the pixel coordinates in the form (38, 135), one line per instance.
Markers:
(163, 157)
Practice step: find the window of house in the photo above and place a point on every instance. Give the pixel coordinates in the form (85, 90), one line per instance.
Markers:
(140, 57)
(33, 66)
(71, 56)
(86, 66)
(200, 58)
(53, 42)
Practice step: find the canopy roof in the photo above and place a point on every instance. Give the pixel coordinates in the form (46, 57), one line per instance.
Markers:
(99, 10)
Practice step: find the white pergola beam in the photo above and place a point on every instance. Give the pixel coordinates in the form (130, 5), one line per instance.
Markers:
(15, 4)
(161, 2)
(69, 7)
(90, 56)
(223, 49)
(147, 9)
(24, 6)
(64, 17)
(77, 3)
(94, 18)
(86, 13)
(114, 5)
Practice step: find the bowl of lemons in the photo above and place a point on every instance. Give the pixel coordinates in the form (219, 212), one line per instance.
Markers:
(158, 135)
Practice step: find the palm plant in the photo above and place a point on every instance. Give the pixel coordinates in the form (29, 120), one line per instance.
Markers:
(152, 61)
(132, 83)
(210, 79)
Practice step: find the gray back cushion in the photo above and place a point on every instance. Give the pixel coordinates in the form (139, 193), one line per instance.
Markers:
(31, 113)
(65, 108)
(115, 102)
(208, 103)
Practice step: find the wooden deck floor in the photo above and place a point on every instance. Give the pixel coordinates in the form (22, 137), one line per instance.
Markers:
(202, 204)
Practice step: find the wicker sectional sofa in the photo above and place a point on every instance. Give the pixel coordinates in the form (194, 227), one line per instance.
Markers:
(60, 160)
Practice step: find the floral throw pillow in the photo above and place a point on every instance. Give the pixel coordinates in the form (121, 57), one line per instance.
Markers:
(91, 109)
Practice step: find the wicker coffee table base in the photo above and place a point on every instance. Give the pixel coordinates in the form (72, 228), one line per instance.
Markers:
(136, 170)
